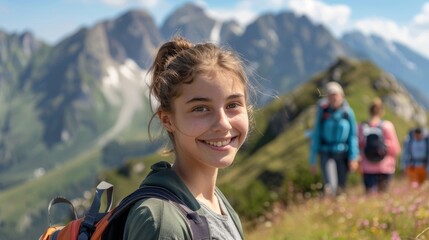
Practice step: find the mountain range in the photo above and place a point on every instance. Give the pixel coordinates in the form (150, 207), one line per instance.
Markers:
(86, 96)
(409, 67)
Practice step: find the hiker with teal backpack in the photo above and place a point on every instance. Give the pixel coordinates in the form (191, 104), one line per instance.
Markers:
(379, 148)
(334, 139)
(415, 156)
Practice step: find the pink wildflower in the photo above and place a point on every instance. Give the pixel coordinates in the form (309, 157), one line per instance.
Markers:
(395, 236)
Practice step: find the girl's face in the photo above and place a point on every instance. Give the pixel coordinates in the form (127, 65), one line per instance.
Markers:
(209, 122)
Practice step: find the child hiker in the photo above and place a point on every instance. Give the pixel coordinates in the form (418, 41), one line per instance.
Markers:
(203, 96)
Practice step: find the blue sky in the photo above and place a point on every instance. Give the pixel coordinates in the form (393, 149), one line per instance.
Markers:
(399, 20)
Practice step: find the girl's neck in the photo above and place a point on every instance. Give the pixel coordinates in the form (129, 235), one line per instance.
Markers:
(200, 180)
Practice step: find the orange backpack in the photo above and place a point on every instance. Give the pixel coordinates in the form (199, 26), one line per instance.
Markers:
(96, 225)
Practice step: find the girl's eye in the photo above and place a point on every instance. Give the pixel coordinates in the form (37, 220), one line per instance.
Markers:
(200, 109)
(233, 105)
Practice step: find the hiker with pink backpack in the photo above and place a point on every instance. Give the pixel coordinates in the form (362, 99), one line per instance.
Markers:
(379, 148)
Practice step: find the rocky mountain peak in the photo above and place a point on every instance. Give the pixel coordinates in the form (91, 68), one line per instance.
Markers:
(191, 21)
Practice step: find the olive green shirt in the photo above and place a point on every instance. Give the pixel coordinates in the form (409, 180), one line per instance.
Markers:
(158, 219)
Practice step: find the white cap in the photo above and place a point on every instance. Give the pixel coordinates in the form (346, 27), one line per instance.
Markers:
(334, 87)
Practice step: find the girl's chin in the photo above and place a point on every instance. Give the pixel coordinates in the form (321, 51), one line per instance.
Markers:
(224, 164)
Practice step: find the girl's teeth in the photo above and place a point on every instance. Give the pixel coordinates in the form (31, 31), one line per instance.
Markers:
(220, 143)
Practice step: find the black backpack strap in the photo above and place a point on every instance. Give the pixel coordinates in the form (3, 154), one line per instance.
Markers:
(199, 225)
(94, 215)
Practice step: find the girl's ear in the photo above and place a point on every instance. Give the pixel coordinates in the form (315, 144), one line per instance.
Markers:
(166, 120)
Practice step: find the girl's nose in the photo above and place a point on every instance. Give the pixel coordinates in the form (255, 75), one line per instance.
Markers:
(222, 121)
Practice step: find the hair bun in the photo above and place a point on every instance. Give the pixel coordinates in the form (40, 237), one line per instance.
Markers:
(168, 52)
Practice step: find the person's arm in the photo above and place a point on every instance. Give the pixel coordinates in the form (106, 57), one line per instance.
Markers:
(405, 153)
(352, 140)
(315, 137)
(391, 139)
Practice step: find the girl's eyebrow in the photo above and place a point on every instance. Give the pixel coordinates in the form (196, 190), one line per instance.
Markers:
(237, 95)
(202, 99)
(198, 99)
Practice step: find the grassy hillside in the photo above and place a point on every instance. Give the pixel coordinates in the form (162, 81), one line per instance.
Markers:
(402, 213)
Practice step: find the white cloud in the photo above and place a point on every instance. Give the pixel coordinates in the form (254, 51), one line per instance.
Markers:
(276, 3)
(150, 3)
(421, 43)
(414, 34)
(242, 16)
(335, 17)
(422, 19)
(120, 3)
(243, 13)
(115, 3)
(385, 28)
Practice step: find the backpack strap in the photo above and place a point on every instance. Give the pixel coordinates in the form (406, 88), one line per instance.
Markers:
(94, 215)
(199, 225)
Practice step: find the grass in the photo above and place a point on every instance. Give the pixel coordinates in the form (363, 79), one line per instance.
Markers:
(401, 213)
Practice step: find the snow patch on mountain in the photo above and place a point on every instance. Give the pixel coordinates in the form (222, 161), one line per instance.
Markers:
(123, 86)
(238, 29)
(215, 32)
